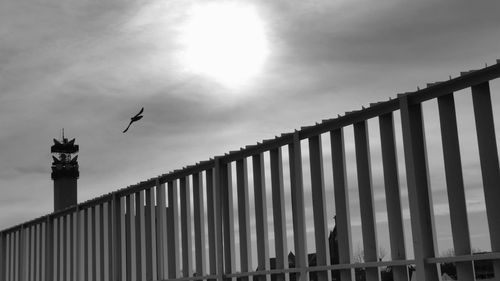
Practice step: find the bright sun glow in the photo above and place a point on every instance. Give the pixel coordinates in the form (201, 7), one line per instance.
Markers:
(225, 41)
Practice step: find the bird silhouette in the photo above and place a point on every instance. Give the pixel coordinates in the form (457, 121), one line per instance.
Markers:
(137, 117)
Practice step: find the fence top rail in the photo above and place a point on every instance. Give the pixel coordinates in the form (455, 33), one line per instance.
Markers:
(465, 80)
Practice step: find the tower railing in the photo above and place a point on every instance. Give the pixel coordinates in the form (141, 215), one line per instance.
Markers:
(181, 225)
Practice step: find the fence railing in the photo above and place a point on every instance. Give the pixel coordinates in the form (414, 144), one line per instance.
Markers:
(181, 225)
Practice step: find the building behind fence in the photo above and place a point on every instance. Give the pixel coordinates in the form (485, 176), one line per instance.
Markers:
(143, 232)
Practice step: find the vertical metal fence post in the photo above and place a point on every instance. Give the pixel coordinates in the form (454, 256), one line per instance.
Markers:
(81, 245)
(123, 238)
(66, 258)
(187, 255)
(244, 216)
(87, 242)
(32, 253)
(211, 228)
(56, 238)
(95, 242)
(3, 255)
(150, 213)
(488, 156)
(92, 244)
(61, 257)
(161, 234)
(418, 188)
(108, 265)
(78, 248)
(259, 182)
(8, 264)
(72, 248)
(116, 253)
(43, 248)
(279, 217)
(218, 221)
(319, 206)
(17, 264)
(102, 243)
(130, 229)
(368, 226)
(6, 256)
(227, 215)
(341, 194)
(23, 247)
(15, 251)
(392, 195)
(38, 252)
(140, 236)
(455, 185)
(199, 224)
(23, 261)
(298, 209)
(67, 247)
(15, 256)
(36, 265)
(174, 261)
(49, 249)
(30, 256)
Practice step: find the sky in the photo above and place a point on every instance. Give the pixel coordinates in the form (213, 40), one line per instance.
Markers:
(214, 76)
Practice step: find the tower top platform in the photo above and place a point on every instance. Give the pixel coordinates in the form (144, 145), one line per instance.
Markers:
(64, 146)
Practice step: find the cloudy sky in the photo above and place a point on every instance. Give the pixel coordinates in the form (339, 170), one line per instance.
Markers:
(214, 76)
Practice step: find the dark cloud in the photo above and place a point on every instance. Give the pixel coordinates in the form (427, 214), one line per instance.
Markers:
(390, 32)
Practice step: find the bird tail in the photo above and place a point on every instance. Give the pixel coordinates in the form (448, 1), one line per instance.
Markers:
(127, 128)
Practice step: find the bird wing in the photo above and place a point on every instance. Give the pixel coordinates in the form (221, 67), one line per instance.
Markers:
(128, 126)
(140, 112)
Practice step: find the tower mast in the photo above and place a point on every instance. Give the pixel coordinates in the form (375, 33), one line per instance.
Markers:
(64, 172)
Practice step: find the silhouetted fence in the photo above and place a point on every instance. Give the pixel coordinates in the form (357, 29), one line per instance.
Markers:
(146, 231)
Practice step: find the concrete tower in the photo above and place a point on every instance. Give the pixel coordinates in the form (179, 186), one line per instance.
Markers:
(64, 173)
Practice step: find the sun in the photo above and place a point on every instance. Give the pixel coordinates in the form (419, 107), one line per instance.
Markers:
(224, 41)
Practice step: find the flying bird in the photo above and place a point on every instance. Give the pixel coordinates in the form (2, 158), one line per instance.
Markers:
(137, 117)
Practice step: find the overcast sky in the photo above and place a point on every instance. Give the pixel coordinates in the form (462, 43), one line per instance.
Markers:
(88, 66)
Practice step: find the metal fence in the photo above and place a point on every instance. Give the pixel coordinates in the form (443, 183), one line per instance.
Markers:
(158, 230)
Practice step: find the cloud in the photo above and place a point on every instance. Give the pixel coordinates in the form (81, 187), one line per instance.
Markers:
(390, 32)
